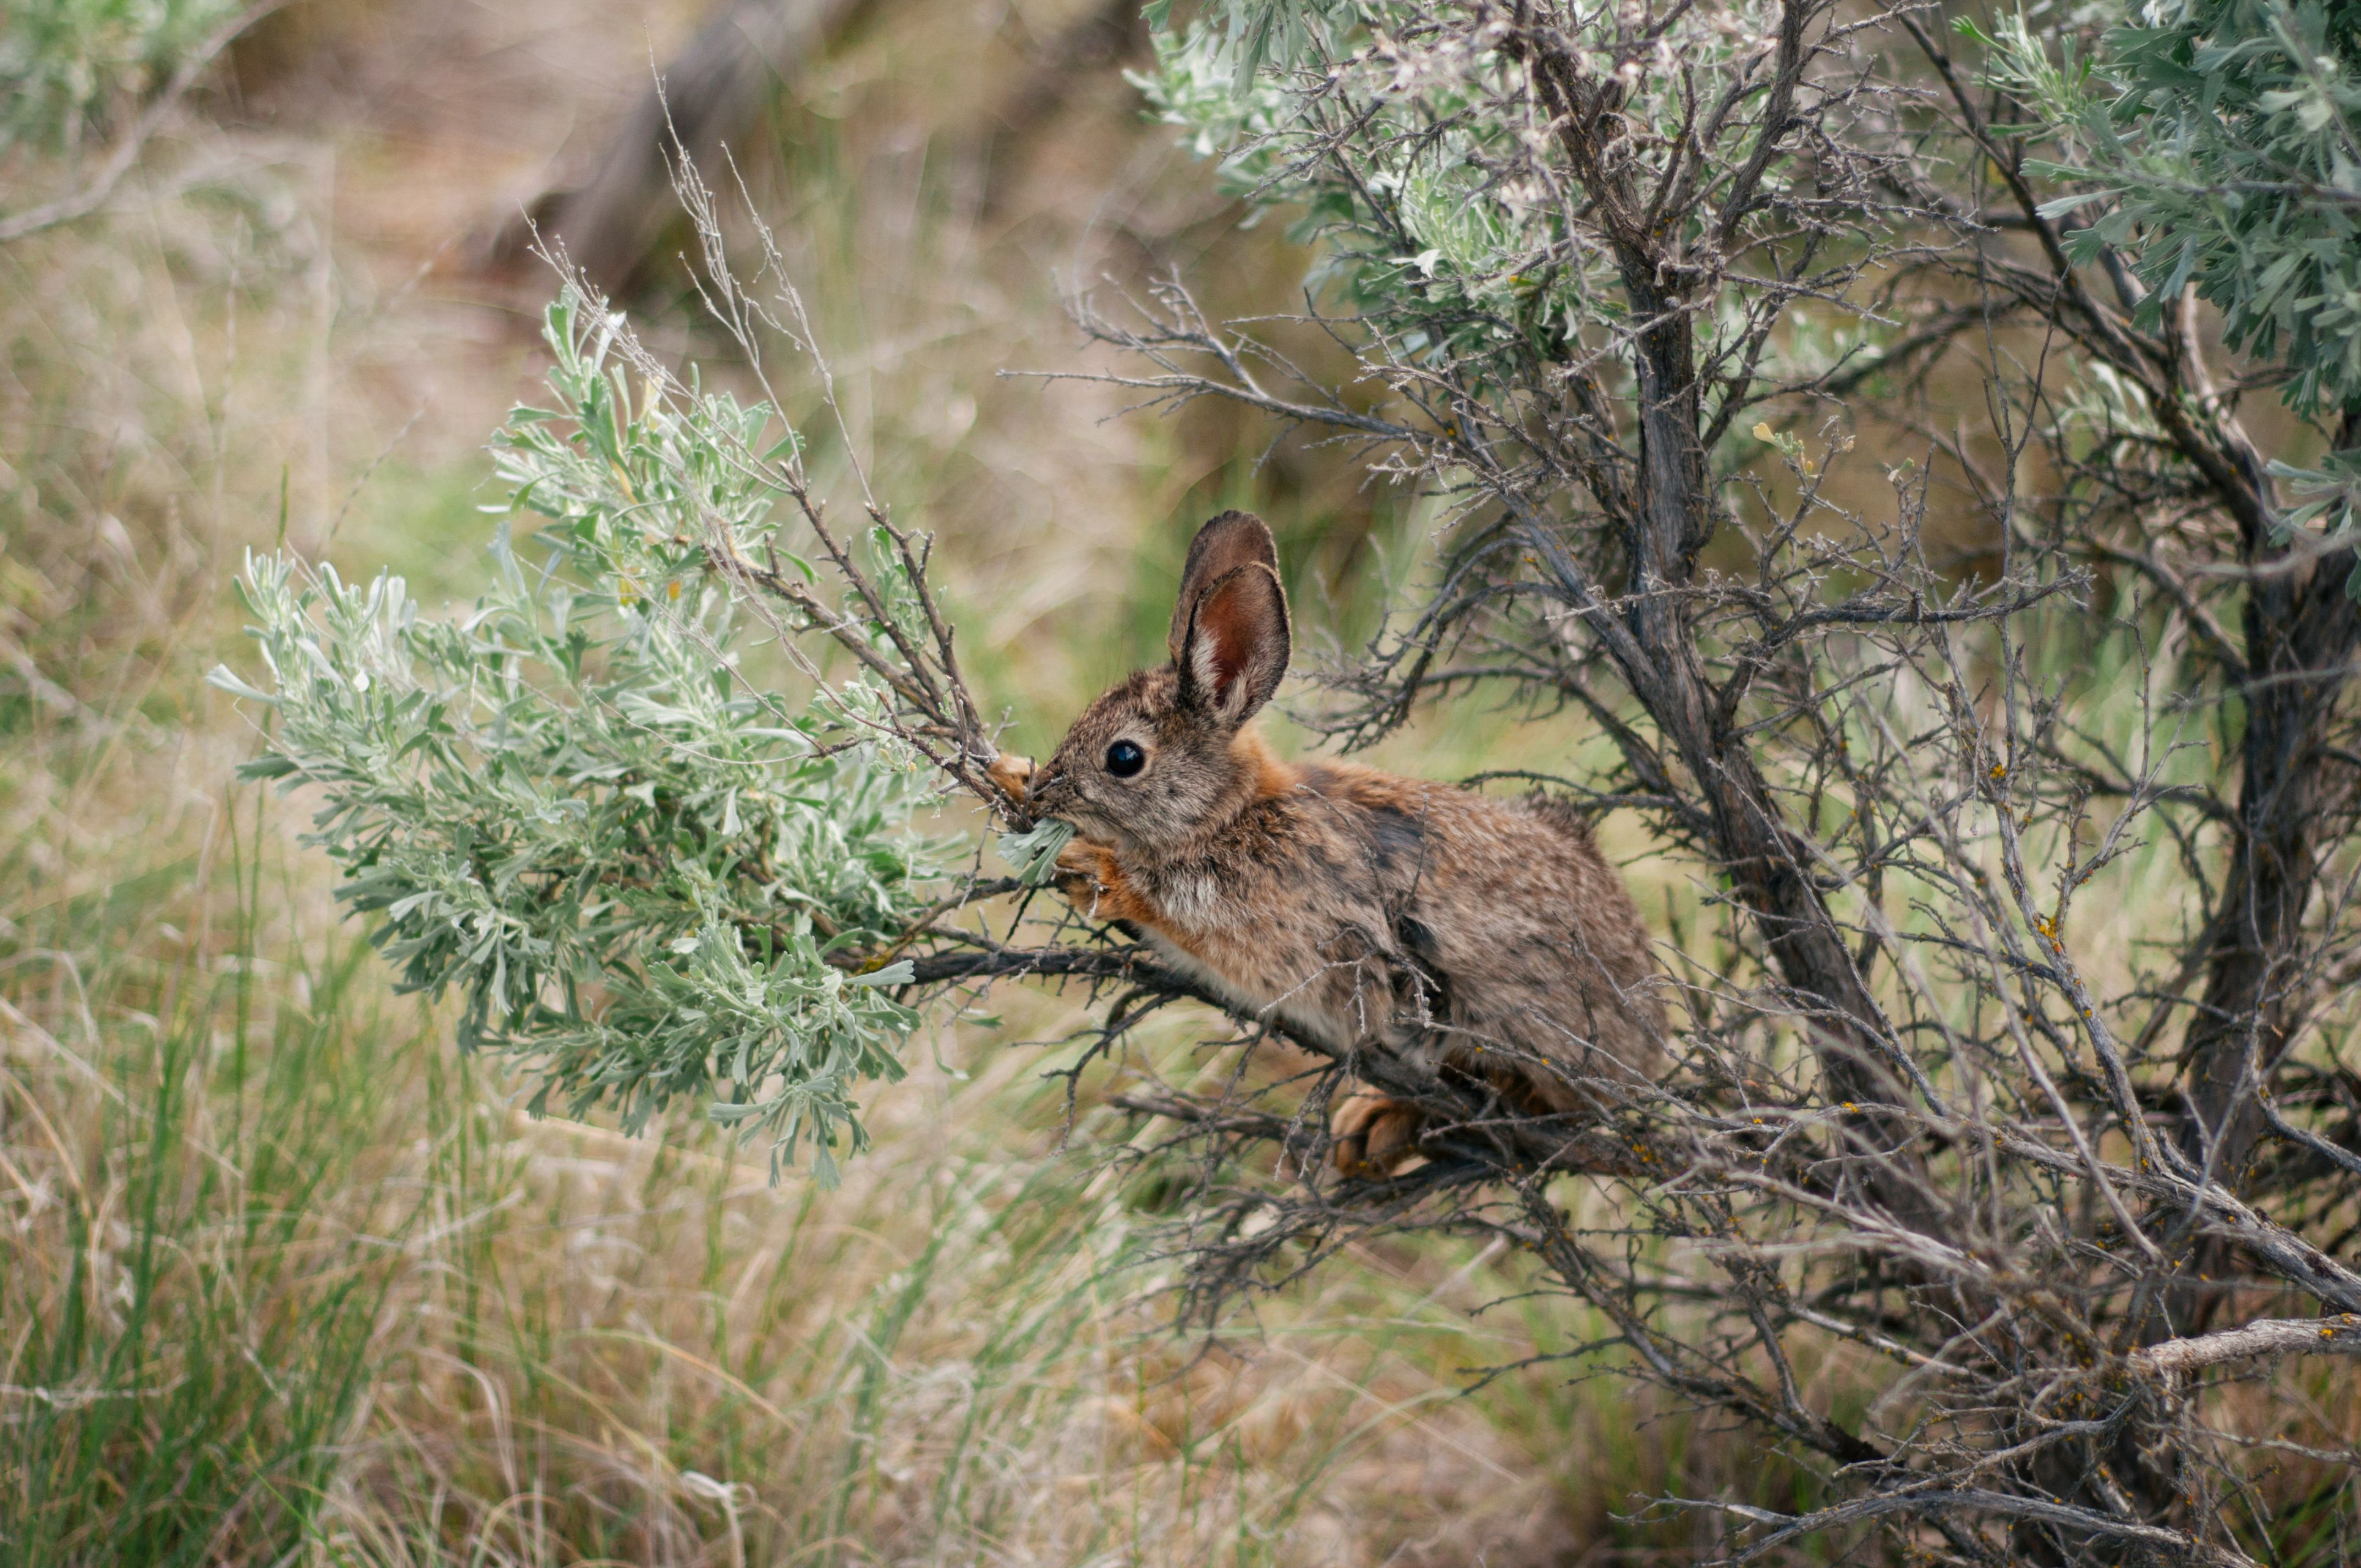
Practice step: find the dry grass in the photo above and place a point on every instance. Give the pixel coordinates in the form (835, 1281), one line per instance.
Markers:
(281, 1278)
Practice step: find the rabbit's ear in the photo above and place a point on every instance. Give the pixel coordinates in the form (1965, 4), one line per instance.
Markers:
(1234, 651)
(1233, 540)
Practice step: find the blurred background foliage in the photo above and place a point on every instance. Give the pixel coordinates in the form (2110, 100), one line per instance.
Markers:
(283, 1280)
(70, 68)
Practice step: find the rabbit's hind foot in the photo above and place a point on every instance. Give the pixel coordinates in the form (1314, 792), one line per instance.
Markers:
(1373, 1134)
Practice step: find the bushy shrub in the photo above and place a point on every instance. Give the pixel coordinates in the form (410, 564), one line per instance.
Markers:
(69, 68)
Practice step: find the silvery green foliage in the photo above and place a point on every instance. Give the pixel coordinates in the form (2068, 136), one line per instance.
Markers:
(645, 876)
(2221, 143)
(66, 64)
(1403, 144)
(2216, 144)
(1429, 226)
(1034, 852)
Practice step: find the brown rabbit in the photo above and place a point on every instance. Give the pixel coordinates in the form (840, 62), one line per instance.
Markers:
(1359, 907)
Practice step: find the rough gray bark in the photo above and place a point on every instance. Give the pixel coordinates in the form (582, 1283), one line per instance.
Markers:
(2302, 631)
(1673, 516)
(2293, 670)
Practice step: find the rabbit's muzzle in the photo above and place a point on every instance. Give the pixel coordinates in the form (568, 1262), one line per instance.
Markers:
(1050, 791)
(1043, 789)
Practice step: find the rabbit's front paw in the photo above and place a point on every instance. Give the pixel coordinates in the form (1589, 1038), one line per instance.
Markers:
(1013, 774)
(1089, 878)
(1375, 1133)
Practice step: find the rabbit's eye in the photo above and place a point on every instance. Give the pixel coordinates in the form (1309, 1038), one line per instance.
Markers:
(1124, 759)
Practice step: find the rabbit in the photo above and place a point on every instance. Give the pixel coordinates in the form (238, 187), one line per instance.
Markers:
(1453, 928)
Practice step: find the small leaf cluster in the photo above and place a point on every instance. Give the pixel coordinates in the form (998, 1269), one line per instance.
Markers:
(633, 481)
(644, 876)
(67, 66)
(1426, 227)
(2220, 143)
(1407, 147)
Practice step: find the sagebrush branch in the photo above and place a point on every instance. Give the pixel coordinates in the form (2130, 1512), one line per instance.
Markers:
(2254, 1341)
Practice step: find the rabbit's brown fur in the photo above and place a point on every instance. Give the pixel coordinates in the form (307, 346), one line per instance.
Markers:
(1359, 907)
